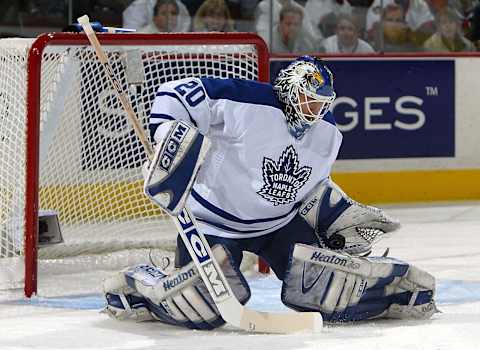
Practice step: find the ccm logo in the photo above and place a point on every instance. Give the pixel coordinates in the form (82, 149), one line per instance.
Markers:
(172, 144)
(309, 206)
(202, 255)
(373, 108)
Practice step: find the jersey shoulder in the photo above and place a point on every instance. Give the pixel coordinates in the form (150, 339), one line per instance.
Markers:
(239, 90)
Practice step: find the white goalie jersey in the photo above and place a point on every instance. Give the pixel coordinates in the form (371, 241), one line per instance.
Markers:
(256, 173)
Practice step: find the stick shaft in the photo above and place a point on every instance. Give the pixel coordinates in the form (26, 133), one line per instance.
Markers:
(122, 95)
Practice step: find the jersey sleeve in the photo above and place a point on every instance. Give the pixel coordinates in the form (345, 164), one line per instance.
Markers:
(186, 100)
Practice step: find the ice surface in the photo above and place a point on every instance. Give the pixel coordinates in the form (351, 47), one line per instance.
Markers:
(444, 240)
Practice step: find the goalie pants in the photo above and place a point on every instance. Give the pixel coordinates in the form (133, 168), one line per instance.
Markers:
(274, 247)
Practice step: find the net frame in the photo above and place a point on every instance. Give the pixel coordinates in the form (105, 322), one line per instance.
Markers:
(34, 86)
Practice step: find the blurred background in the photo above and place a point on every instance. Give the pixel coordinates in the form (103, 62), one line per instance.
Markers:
(288, 26)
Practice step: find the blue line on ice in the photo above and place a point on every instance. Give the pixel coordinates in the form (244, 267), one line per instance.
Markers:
(265, 296)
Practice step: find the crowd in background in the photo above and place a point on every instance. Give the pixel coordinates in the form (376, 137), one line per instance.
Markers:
(288, 26)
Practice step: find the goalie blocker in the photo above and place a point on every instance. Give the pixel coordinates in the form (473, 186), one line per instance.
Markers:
(170, 175)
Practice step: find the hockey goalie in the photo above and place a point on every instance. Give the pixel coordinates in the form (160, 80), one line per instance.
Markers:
(252, 161)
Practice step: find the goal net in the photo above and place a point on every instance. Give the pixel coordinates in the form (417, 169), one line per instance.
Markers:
(66, 145)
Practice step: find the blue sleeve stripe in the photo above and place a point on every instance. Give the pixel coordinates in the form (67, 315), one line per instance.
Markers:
(159, 117)
(171, 94)
(155, 120)
(153, 129)
(230, 229)
(227, 216)
(239, 90)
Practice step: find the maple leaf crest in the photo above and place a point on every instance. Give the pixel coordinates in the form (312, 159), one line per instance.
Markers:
(282, 180)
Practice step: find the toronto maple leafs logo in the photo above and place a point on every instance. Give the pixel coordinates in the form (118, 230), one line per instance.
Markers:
(283, 179)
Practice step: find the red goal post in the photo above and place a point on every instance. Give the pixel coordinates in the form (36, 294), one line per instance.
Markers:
(65, 145)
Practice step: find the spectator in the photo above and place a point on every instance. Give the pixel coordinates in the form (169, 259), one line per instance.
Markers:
(473, 22)
(321, 15)
(140, 13)
(462, 6)
(418, 18)
(263, 20)
(393, 34)
(288, 35)
(213, 16)
(449, 36)
(243, 12)
(164, 19)
(346, 39)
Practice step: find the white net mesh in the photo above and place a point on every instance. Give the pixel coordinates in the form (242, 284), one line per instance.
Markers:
(90, 158)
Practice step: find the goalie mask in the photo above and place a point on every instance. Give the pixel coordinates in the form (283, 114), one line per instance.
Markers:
(306, 89)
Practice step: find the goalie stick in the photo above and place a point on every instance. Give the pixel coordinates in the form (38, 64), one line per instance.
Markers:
(228, 305)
